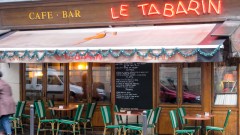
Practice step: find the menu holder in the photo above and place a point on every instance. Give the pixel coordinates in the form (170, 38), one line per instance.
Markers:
(226, 99)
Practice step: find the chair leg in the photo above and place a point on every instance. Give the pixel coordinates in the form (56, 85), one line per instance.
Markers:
(105, 130)
(153, 131)
(79, 129)
(15, 126)
(52, 125)
(125, 131)
(119, 131)
(20, 123)
(39, 126)
(57, 128)
(85, 126)
(74, 129)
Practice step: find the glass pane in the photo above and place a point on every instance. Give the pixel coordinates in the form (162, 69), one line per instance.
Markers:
(33, 75)
(225, 84)
(168, 83)
(78, 81)
(101, 82)
(55, 82)
(191, 84)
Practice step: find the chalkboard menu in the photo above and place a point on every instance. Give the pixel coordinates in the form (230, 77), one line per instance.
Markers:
(133, 85)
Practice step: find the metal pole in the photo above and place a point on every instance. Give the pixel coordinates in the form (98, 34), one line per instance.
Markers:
(144, 123)
(31, 119)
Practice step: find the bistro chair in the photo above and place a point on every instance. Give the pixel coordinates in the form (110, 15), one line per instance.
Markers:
(73, 123)
(118, 117)
(107, 120)
(41, 113)
(174, 121)
(51, 104)
(183, 121)
(16, 118)
(138, 127)
(219, 129)
(154, 119)
(88, 117)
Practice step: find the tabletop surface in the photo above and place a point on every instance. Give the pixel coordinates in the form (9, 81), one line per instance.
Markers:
(64, 108)
(195, 117)
(135, 112)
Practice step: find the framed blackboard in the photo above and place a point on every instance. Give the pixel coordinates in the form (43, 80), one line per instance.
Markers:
(133, 84)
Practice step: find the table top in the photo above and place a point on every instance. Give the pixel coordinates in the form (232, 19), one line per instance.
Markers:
(132, 113)
(65, 108)
(195, 117)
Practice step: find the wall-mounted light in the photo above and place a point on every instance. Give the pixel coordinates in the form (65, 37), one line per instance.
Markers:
(228, 78)
(83, 66)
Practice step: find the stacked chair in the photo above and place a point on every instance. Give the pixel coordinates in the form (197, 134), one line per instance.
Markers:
(17, 117)
(107, 120)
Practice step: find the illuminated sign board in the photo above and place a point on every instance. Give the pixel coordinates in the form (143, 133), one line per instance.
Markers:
(168, 9)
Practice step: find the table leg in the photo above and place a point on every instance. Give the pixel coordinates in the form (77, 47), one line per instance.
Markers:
(195, 127)
(203, 127)
(137, 119)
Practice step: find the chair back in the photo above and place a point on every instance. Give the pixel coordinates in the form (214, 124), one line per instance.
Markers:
(173, 117)
(106, 115)
(226, 120)
(118, 117)
(149, 115)
(155, 115)
(78, 114)
(182, 113)
(51, 104)
(20, 108)
(40, 109)
(90, 110)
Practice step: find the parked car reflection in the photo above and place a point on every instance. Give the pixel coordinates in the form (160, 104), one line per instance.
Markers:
(168, 93)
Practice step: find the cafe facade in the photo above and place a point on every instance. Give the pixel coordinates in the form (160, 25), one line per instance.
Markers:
(135, 54)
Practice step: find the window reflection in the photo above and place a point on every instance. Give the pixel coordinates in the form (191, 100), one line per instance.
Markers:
(101, 82)
(168, 83)
(191, 83)
(33, 76)
(55, 85)
(225, 84)
(78, 81)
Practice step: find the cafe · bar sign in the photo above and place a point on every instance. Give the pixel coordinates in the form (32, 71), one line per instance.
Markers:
(168, 9)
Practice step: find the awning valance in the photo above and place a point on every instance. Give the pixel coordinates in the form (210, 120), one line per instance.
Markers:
(173, 43)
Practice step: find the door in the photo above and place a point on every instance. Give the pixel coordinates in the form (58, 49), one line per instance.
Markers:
(179, 86)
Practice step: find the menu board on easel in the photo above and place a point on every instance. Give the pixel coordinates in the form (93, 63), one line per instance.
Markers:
(133, 84)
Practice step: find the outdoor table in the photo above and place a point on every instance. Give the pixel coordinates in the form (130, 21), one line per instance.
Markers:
(64, 108)
(196, 118)
(132, 113)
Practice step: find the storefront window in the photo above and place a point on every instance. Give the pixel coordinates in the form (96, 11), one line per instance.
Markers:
(168, 83)
(78, 81)
(101, 87)
(33, 79)
(55, 82)
(191, 83)
(225, 84)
